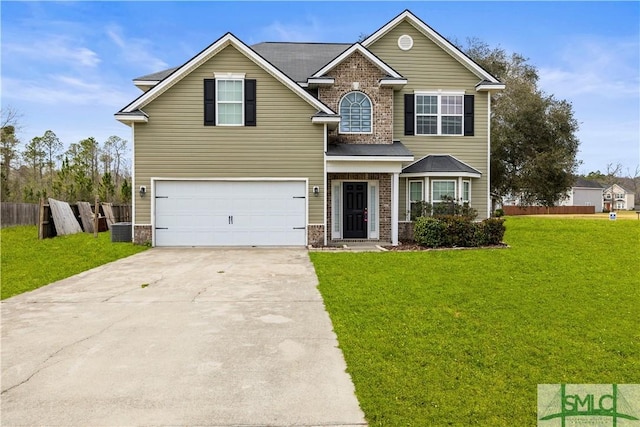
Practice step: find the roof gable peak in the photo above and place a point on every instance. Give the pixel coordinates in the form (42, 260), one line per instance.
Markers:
(226, 40)
(357, 47)
(434, 36)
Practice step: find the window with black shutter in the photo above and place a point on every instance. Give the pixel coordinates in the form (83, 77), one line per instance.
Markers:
(230, 102)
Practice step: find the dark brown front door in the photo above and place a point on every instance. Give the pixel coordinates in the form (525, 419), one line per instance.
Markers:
(355, 210)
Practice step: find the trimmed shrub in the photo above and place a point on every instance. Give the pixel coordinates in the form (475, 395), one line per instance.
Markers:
(429, 232)
(494, 230)
(457, 231)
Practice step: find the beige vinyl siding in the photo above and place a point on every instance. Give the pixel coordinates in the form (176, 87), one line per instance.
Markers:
(176, 144)
(428, 67)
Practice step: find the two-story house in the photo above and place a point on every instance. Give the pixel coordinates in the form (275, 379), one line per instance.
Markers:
(617, 198)
(584, 192)
(308, 143)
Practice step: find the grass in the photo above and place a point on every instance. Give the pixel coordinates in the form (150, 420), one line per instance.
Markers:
(464, 337)
(28, 263)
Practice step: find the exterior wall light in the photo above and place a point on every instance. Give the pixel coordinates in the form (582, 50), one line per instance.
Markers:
(316, 191)
(143, 191)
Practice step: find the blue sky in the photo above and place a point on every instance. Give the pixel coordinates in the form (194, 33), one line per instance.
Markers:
(68, 66)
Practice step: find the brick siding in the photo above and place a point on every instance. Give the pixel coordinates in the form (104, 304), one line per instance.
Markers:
(357, 69)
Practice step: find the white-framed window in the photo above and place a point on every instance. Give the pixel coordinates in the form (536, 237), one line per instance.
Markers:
(607, 196)
(619, 195)
(443, 190)
(466, 191)
(373, 210)
(229, 102)
(619, 205)
(336, 210)
(356, 113)
(439, 113)
(416, 195)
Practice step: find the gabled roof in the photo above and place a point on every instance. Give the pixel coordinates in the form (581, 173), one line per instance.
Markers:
(586, 183)
(441, 164)
(435, 37)
(157, 76)
(299, 60)
(364, 52)
(610, 188)
(226, 40)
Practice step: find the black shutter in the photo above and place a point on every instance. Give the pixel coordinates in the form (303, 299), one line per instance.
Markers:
(209, 102)
(468, 115)
(249, 102)
(409, 114)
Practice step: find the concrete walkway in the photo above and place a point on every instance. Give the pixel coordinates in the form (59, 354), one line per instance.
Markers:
(211, 337)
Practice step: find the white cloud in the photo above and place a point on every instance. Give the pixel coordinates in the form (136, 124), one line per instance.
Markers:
(603, 67)
(64, 92)
(136, 50)
(56, 49)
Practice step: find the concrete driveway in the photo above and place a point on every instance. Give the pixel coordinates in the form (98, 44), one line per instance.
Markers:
(212, 337)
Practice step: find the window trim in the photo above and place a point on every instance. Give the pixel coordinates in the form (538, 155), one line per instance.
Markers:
(466, 182)
(438, 94)
(340, 131)
(434, 181)
(228, 78)
(409, 200)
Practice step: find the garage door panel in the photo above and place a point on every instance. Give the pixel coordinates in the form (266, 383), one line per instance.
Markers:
(230, 213)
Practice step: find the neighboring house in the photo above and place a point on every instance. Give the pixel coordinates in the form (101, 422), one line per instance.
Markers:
(308, 143)
(617, 198)
(584, 193)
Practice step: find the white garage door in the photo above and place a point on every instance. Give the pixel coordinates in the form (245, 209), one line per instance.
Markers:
(230, 213)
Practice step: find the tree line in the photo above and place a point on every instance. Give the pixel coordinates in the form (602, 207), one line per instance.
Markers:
(41, 168)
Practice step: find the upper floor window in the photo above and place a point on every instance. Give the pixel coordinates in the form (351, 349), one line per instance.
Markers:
(439, 114)
(229, 96)
(229, 100)
(355, 112)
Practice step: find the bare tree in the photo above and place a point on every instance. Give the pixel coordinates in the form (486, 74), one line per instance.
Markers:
(119, 146)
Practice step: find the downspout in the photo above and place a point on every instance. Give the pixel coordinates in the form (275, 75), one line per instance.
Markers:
(489, 201)
(395, 187)
(133, 181)
(324, 206)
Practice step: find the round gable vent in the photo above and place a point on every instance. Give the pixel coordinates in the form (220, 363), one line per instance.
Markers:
(405, 42)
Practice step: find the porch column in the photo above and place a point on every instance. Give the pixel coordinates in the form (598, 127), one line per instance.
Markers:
(395, 188)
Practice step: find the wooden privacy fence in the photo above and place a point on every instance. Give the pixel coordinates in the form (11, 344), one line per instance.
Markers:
(541, 210)
(18, 214)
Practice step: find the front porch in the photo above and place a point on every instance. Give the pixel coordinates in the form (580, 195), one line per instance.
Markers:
(359, 208)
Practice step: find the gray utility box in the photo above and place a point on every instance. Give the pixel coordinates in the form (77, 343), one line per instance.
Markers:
(121, 232)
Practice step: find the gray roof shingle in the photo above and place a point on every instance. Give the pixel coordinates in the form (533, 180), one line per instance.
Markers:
(586, 183)
(397, 149)
(299, 60)
(158, 75)
(439, 163)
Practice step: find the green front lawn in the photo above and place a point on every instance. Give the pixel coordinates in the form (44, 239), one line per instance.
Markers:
(28, 263)
(463, 337)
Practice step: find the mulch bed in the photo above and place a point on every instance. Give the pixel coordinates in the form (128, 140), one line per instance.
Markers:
(413, 246)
